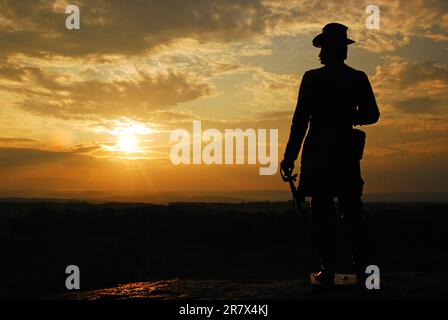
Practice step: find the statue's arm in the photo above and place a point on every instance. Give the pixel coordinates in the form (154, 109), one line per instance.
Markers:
(300, 120)
(367, 111)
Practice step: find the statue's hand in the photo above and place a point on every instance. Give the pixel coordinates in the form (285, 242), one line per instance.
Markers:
(287, 166)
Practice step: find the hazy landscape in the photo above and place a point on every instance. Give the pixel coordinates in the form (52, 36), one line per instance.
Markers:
(119, 243)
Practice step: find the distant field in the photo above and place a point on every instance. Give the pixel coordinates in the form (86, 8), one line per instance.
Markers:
(119, 243)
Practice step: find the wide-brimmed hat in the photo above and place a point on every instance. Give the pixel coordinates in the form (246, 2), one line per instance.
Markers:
(332, 33)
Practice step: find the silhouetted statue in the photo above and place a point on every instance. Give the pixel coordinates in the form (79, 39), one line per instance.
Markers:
(332, 99)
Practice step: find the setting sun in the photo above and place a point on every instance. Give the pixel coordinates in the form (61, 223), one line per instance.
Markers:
(127, 143)
(129, 137)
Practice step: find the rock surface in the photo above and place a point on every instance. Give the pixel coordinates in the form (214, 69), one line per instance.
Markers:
(393, 286)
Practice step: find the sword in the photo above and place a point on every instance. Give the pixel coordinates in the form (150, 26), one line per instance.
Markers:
(299, 199)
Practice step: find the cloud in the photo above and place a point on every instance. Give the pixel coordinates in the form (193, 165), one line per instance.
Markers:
(416, 80)
(412, 96)
(116, 27)
(271, 91)
(91, 72)
(25, 157)
(398, 20)
(44, 93)
(16, 140)
(416, 105)
(86, 148)
(110, 27)
(436, 145)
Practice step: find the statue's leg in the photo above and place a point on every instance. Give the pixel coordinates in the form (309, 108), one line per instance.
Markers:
(351, 207)
(323, 212)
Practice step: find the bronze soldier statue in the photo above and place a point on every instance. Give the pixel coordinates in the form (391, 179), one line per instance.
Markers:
(332, 100)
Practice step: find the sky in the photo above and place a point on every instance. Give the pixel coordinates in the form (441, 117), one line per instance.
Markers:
(92, 110)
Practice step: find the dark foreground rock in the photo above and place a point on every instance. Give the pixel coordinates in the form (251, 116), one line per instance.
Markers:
(393, 286)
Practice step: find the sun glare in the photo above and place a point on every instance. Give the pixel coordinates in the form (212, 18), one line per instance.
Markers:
(131, 139)
(127, 143)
